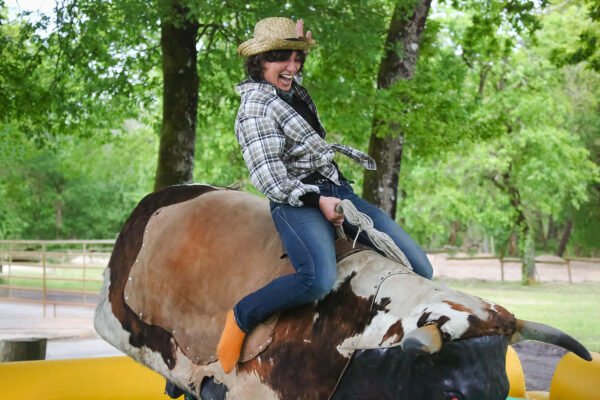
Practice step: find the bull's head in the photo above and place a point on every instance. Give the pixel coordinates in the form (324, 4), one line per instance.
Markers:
(431, 342)
(387, 333)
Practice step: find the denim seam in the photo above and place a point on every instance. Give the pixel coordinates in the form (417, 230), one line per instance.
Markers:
(281, 209)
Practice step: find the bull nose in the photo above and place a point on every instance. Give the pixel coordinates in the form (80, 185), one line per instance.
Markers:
(453, 396)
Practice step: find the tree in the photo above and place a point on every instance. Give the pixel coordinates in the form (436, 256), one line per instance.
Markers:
(77, 188)
(386, 144)
(540, 164)
(479, 78)
(387, 138)
(81, 71)
(180, 96)
(582, 82)
(587, 48)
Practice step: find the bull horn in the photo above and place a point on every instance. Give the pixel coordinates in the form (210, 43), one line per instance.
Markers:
(527, 330)
(424, 340)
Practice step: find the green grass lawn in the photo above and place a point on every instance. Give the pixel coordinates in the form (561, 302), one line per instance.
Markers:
(55, 275)
(572, 308)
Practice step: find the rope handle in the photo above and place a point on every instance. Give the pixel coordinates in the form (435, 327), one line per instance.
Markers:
(363, 222)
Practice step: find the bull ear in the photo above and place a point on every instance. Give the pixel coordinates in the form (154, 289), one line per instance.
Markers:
(527, 330)
(424, 340)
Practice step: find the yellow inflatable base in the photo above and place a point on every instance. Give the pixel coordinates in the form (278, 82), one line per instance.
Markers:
(576, 379)
(514, 372)
(115, 378)
(573, 379)
(121, 378)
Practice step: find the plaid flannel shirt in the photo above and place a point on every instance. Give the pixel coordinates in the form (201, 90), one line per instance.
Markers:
(280, 147)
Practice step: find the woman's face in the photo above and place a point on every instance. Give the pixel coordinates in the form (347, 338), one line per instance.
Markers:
(280, 73)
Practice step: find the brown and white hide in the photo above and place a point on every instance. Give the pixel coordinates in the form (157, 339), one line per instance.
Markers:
(374, 304)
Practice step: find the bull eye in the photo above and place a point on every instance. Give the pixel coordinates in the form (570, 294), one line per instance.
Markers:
(453, 396)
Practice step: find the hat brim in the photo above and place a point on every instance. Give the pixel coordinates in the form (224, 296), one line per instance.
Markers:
(252, 47)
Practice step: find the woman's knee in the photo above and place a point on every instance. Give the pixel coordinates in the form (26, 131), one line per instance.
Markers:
(423, 267)
(320, 286)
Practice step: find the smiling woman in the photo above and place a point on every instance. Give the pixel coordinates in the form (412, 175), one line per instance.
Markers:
(283, 144)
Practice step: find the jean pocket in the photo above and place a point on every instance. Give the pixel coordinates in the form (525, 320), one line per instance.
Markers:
(274, 206)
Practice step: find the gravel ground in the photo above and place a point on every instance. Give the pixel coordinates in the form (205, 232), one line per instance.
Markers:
(539, 361)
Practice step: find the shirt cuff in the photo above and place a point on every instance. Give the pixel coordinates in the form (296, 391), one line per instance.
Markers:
(311, 199)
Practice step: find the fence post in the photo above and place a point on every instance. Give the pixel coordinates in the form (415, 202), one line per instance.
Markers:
(10, 260)
(569, 269)
(83, 280)
(44, 275)
(502, 268)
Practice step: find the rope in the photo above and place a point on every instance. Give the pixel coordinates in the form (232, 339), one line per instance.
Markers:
(363, 222)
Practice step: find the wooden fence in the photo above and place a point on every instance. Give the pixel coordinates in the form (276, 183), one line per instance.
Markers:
(490, 267)
(69, 272)
(53, 272)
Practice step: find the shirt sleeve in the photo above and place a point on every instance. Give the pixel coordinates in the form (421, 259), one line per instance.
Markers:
(262, 144)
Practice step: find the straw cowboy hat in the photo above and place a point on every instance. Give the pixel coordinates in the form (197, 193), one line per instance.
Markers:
(274, 34)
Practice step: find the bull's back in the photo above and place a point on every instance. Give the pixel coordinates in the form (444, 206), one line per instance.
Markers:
(127, 246)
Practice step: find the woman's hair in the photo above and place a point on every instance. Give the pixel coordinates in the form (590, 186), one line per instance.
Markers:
(254, 65)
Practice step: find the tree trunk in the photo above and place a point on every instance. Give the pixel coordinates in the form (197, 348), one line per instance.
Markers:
(528, 256)
(58, 221)
(513, 247)
(387, 138)
(180, 98)
(564, 239)
(454, 227)
(551, 229)
(525, 233)
(543, 237)
(381, 186)
(527, 250)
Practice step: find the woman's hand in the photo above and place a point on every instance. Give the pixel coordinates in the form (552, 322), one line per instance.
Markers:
(327, 206)
(300, 31)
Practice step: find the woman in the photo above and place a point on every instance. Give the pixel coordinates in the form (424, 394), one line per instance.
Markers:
(283, 144)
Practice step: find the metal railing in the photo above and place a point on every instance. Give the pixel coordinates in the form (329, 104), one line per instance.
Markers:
(55, 272)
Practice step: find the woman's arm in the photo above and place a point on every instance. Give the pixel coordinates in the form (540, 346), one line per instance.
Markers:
(262, 145)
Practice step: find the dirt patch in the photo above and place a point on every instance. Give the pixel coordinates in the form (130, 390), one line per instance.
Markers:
(539, 360)
(549, 268)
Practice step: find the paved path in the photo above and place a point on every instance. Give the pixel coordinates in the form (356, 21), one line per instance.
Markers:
(70, 333)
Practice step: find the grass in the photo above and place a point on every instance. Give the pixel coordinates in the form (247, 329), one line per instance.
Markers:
(55, 273)
(572, 308)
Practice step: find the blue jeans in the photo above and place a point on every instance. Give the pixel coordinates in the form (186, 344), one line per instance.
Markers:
(308, 239)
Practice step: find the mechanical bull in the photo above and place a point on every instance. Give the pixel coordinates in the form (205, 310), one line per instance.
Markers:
(187, 254)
